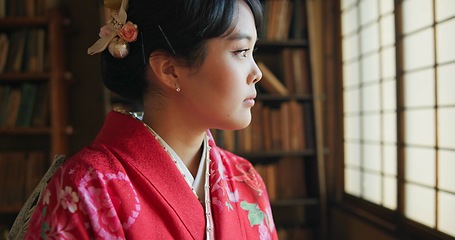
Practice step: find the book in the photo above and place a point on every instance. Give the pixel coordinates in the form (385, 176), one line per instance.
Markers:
(288, 69)
(270, 170)
(296, 125)
(18, 55)
(12, 108)
(301, 71)
(266, 129)
(270, 82)
(40, 115)
(285, 126)
(278, 15)
(4, 48)
(256, 127)
(275, 122)
(26, 106)
(6, 91)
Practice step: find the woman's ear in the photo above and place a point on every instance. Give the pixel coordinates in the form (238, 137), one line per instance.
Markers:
(162, 65)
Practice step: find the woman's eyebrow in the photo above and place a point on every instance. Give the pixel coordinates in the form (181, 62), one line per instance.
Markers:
(239, 36)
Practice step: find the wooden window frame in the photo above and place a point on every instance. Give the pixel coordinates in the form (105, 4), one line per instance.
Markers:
(393, 222)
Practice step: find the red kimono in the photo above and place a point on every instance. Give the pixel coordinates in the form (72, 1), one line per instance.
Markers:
(125, 186)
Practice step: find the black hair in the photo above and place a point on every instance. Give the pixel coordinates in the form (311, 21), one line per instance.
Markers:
(185, 25)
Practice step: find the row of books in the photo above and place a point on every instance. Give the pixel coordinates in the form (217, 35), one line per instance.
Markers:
(27, 8)
(20, 173)
(284, 178)
(277, 19)
(23, 50)
(291, 77)
(24, 106)
(287, 127)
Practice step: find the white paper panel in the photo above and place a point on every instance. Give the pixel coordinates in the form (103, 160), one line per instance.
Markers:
(351, 74)
(420, 127)
(390, 159)
(390, 193)
(446, 84)
(420, 165)
(368, 11)
(352, 154)
(388, 62)
(389, 127)
(445, 33)
(370, 38)
(417, 14)
(349, 22)
(351, 100)
(389, 97)
(388, 30)
(444, 9)
(347, 3)
(446, 123)
(372, 157)
(386, 6)
(419, 89)
(371, 127)
(419, 50)
(446, 213)
(352, 181)
(371, 100)
(351, 47)
(372, 187)
(446, 170)
(352, 127)
(420, 204)
(370, 68)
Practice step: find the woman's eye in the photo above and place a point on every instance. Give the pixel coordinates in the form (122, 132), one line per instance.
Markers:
(242, 52)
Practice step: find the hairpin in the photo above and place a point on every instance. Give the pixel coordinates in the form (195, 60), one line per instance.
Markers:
(117, 33)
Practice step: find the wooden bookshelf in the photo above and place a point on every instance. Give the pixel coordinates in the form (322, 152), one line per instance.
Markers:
(37, 128)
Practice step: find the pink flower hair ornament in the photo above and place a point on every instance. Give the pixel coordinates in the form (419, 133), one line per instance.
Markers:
(117, 33)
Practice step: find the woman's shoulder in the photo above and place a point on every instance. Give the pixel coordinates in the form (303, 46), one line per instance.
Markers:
(90, 159)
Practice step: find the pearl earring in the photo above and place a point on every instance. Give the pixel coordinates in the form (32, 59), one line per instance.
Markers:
(177, 87)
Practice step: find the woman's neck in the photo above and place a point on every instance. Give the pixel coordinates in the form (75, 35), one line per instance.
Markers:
(183, 139)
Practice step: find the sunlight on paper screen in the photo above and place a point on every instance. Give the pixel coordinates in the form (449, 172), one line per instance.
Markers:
(419, 88)
(372, 157)
(351, 127)
(352, 154)
(371, 99)
(445, 33)
(446, 205)
(420, 165)
(424, 57)
(390, 192)
(352, 181)
(372, 187)
(417, 14)
(420, 127)
(388, 62)
(446, 170)
(420, 204)
(389, 132)
(446, 124)
(446, 84)
(444, 9)
(351, 74)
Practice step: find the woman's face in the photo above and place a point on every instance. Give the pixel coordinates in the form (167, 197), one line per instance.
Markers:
(221, 92)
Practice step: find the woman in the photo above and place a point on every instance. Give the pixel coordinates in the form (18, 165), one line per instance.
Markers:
(162, 176)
